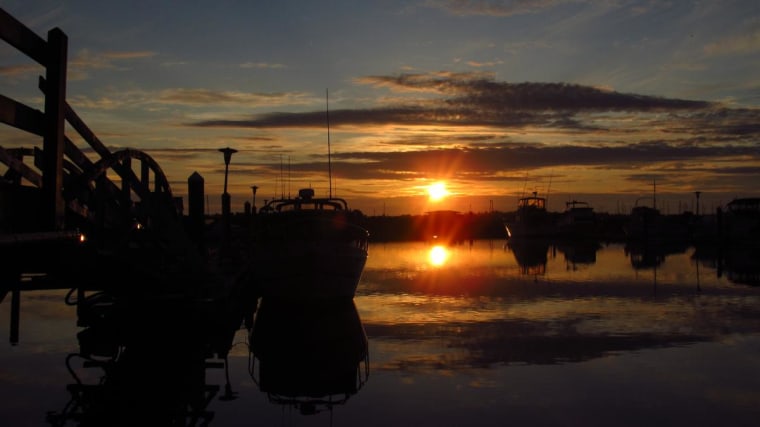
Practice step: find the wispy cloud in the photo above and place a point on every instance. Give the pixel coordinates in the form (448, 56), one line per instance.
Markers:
(262, 65)
(190, 97)
(495, 7)
(84, 61)
(180, 96)
(741, 44)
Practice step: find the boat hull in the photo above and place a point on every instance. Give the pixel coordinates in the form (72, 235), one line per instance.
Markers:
(308, 269)
(308, 255)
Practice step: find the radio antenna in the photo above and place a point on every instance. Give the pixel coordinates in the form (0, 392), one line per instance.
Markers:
(329, 160)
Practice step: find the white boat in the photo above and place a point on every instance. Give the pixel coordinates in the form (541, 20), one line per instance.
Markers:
(308, 247)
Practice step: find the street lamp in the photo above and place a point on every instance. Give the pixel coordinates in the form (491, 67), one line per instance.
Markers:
(697, 193)
(225, 196)
(254, 188)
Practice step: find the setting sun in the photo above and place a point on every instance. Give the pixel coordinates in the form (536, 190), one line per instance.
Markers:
(437, 191)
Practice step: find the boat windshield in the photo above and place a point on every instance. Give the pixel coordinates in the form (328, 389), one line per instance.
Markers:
(532, 202)
(310, 205)
(748, 205)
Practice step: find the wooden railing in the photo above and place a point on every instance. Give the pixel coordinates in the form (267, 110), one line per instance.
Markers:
(67, 179)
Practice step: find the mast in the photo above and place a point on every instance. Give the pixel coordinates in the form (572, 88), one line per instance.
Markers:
(329, 160)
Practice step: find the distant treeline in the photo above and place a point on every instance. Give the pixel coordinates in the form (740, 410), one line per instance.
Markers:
(442, 225)
(460, 227)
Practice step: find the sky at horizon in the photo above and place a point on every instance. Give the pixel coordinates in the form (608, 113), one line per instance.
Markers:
(590, 100)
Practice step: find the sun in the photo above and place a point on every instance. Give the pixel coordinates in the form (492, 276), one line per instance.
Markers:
(437, 191)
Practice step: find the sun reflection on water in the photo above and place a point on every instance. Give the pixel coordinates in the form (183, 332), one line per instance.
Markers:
(438, 255)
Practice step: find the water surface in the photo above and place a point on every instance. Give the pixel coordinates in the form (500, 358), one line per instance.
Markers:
(482, 334)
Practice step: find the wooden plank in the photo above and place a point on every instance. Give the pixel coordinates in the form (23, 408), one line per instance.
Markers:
(28, 173)
(22, 38)
(20, 116)
(79, 125)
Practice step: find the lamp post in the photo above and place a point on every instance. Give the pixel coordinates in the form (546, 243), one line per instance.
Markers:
(254, 188)
(697, 193)
(226, 201)
(225, 196)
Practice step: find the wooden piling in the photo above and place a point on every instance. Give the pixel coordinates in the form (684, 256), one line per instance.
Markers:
(196, 209)
(53, 207)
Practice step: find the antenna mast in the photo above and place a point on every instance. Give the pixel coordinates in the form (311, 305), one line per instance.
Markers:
(329, 160)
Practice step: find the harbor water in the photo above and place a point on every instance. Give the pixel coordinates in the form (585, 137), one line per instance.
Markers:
(483, 333)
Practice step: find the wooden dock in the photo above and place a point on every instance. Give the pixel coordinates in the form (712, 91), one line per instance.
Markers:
(66, 224)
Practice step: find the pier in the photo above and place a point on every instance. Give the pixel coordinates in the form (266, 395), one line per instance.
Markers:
(94, 220)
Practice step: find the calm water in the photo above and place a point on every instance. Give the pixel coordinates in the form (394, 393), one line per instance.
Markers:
(477, 335)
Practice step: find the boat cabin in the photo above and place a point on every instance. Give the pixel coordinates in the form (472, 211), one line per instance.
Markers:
(305, 202)
(532, 202)
(746, 206)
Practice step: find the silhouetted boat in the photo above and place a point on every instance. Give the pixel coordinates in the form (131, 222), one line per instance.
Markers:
(530, 254)
(741, 220)
(531, 219)
(578, 220)
(311, 357)
(308, 247)
(644, 222)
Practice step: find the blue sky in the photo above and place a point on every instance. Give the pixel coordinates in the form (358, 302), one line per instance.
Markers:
(579, 99)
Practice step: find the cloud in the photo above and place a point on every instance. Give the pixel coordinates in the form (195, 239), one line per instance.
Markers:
(181, 96)
(20, 71)
(486, 161)
(473, 99)
(193, 97)
(741, 44)
(495, 7)
(85, 61)
(262, 65)
(477, 64)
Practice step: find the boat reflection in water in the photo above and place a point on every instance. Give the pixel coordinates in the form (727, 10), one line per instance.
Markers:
(143, 360)
(530, 254)
(310, 356)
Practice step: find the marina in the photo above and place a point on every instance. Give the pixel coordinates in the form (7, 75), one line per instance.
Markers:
(122, 307)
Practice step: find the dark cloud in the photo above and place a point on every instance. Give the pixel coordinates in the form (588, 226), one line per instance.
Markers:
(487, 162)
(474, 99)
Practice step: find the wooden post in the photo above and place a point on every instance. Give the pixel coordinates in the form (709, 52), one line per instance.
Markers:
(145, 175)
(195, 201)
(53, 208)
(15, 315)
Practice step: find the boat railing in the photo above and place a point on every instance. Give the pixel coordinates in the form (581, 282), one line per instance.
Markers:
(297, 204)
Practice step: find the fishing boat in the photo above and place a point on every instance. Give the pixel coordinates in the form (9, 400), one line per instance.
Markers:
(531, 219)
(741, 220)
(308, 247)
(578, 220)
